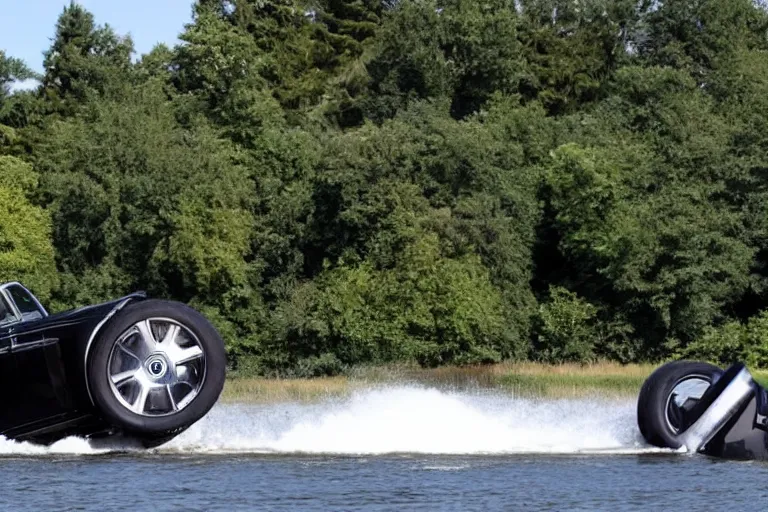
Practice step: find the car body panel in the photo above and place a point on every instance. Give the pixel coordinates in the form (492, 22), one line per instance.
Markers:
(745, 437)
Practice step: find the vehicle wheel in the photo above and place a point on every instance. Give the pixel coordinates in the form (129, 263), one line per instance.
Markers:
(670, 391)
(156, 369)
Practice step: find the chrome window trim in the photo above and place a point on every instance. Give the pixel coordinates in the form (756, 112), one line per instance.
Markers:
(39, 329)
(4, 289)
(11, 307)
(17, 347)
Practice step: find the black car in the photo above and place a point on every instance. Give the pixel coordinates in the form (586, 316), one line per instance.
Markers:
(701, 408)
(141, 368)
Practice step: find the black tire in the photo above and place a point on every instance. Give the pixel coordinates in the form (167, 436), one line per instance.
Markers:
(154, 429)
(653, 400)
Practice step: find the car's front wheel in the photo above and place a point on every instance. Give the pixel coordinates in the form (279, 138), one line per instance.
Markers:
(668, 395)
(156, 369)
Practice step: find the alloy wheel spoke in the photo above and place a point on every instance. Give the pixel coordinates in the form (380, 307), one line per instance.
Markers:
(184, 375)
(128, 352)
(140, 403)
(186, 355)
(121, 378)
(148, 342)
(174, 407)
(170, 335)
(187, 399)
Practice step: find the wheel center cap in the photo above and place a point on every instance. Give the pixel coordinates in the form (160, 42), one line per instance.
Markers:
(156, 366)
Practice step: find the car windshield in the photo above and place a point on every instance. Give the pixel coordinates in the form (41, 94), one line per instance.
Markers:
(25, 302)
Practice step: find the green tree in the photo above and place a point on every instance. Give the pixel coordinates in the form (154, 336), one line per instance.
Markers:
(469, 182)
(349, 28)
(122, 183)
(740, 87)
(698, 36)
(336, 182)
(409, 63)
(424, 308)
(12, 70)
(674, 256)
(295, 54)
(84, 60)
(572, 48)
(26, 252)
(221, 65)
(456, 49)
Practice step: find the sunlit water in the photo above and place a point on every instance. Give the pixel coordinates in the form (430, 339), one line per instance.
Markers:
(390, 448)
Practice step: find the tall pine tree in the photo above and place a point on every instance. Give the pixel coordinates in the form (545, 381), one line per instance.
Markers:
(84, 60)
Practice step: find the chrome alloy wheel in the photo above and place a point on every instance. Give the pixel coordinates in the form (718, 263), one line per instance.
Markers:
(684, 395)
(156, 367)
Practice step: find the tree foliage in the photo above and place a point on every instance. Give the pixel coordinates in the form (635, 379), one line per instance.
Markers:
(342, 182)
(12, 70)
(84, 60)
(26, 252)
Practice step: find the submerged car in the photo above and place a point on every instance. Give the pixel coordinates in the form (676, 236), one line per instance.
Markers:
(140, 368)
(701, 408)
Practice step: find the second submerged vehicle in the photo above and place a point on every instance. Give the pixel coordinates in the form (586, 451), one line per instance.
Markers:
(699, 406)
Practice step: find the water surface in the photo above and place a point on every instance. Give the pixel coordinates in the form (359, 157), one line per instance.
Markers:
(392, 448)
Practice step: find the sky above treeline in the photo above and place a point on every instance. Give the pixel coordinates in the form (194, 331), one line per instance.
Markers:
(27, 27)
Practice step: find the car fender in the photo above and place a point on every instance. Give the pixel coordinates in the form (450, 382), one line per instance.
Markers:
(120, 305)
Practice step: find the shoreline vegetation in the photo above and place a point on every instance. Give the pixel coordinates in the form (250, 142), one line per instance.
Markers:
(525, 379)
(436, 182)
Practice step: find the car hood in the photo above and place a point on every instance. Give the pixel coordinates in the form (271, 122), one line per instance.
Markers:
(75, 316)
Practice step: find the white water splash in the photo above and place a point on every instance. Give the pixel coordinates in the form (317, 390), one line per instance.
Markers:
(68, 446)
(399, 419)
(411, 419)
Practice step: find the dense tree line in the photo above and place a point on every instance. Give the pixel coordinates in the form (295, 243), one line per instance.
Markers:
(341, 182)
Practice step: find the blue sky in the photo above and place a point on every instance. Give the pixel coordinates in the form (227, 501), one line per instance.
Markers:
(27, 26)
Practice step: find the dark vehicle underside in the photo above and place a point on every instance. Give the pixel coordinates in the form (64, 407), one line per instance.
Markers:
(145, 369)
(705, 409)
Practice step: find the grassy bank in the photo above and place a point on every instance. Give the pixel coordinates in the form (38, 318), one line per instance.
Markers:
(520, 379)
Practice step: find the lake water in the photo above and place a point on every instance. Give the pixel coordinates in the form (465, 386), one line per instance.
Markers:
(393, 448)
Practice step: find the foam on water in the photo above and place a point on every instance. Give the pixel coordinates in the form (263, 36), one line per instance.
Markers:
(68, 446)
(410, 419)
(398, 419)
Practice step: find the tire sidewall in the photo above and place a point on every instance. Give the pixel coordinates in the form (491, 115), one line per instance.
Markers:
(99, 380)
(654, 395)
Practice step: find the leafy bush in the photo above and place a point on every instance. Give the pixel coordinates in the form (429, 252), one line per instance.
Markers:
(427, 308)
(565, 328)
(324, 365)
(733, 342)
